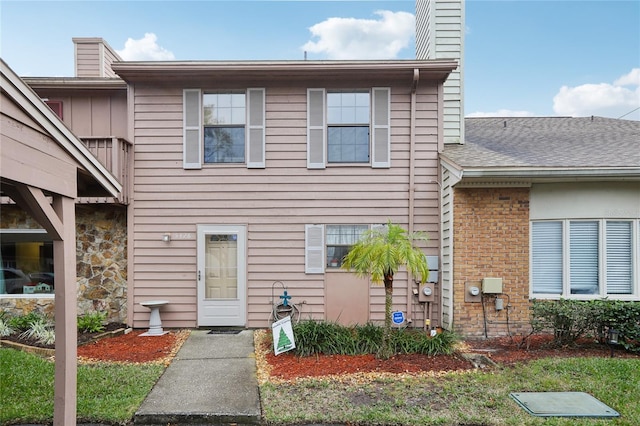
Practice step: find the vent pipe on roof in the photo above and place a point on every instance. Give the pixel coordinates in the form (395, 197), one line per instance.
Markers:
(505, 124)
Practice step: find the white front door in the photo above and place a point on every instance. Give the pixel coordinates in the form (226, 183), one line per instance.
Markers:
(222, 284)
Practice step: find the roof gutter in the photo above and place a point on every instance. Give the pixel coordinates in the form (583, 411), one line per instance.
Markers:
(532, 173)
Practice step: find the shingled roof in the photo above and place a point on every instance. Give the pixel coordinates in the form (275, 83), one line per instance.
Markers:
(547, 143)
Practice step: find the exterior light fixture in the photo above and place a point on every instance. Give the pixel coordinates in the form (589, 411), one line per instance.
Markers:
(613, 335)
(166, 238)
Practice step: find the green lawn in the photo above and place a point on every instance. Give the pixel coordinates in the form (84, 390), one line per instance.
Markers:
(475, 398)
(109, 393)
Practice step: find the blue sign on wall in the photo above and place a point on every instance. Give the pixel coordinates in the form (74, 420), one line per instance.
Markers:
(398, 317)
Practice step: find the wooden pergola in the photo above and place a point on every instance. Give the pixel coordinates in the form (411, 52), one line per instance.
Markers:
(44, 167)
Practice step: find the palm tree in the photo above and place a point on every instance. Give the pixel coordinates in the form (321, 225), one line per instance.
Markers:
(378, 254)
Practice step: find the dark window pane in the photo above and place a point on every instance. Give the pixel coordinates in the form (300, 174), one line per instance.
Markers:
(224, 144)
(348, 144)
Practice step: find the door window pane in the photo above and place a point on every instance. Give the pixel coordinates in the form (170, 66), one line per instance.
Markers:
(221, 267)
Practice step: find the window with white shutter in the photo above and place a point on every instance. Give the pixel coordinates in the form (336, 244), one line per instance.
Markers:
(224, 127)
(349, 127)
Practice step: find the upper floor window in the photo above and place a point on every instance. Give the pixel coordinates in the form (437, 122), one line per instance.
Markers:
(224, 127)
(570, 258)
(348, 127)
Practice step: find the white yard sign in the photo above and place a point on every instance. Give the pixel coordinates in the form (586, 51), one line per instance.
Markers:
(282, 336)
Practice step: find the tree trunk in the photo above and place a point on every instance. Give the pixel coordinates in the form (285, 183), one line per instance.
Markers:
(385, 350)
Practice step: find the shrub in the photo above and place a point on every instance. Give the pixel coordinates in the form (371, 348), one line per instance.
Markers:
(92, 323)
(568, 319)
(5, 328)
(41, 330)
(571, 319)
(319, 337)
(24, 322)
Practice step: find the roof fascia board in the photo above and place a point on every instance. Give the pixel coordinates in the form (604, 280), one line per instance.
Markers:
(438, 69)
(24, 96)
(97, 84)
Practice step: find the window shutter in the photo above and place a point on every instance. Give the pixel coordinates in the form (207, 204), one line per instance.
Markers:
(583, 257)
(192, 129)
(256, 128)
(619, 257)
(546, 257)
(314, 249)
(381, 128)
(316, 129)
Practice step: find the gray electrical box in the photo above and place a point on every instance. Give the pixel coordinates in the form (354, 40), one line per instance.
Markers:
(433, 264)
(492, 285)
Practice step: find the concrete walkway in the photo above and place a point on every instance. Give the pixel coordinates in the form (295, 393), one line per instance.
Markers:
(212, 380)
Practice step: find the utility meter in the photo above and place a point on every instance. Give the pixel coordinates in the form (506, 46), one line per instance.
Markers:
(426, 293)
(474, 291)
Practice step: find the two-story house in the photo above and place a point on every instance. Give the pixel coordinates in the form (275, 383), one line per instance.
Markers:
(243, 179)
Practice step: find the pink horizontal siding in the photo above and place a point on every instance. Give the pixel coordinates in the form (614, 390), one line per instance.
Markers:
(275, 203)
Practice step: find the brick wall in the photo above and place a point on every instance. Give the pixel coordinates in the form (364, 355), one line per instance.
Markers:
(491, 239)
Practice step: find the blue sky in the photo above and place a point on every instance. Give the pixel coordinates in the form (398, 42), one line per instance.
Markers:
(540, 58)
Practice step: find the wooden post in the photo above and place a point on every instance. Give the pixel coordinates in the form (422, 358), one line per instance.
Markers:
(64, 267)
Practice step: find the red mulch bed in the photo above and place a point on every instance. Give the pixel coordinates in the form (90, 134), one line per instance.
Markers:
(133, 348)
(288, 366)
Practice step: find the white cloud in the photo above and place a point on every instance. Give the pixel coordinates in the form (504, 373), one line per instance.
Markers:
(145, 49)
(351, 38)
(603, 99)
(501, 113)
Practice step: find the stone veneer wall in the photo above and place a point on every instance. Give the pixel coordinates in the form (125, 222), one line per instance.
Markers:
(491, 239)
(101, 253)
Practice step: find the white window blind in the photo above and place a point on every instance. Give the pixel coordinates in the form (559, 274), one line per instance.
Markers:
(619, 257)
(583, 257)
(546, 265)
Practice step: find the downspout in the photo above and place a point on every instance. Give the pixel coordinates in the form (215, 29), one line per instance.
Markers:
(412, 181)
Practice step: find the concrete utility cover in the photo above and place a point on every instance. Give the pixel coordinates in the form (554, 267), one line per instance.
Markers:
(562, 404)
